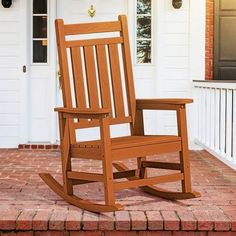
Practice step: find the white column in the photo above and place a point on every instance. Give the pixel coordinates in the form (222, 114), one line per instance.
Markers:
(197, 24)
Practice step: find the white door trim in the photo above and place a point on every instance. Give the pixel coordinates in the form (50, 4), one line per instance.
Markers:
(53, 69)
(24, 77)
(197, 25)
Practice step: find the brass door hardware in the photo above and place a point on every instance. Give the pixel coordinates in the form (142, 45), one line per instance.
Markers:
(91, 11)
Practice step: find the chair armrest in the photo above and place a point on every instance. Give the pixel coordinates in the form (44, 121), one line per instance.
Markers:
(162, 103)
(82, 113)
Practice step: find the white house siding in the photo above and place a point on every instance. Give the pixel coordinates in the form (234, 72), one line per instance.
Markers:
(9, 74)
(180, 57)
(173, 74)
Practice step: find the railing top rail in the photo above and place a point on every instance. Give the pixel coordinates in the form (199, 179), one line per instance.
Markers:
(227, 84)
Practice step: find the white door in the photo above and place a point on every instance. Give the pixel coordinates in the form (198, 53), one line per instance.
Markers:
(42, 77)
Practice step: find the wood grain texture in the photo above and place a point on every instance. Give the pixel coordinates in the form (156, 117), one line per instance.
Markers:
(116, 81)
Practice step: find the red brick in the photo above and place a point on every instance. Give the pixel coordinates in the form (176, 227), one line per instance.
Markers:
(24, 221)
(89, 221)
(50, 233)
(73, 220)
(7, 233)
(106, 221)
(182, 233)
(209, 38)
(221, 233)
(171, 221)
(48, 146)
(122, 221)
(205, 222)
(86, 233)
(25, 233)
(120, 233)
(232, 215)
(221, 222)
(41, 219)
(21, 146)
(57, 220)
(8, 219)
(138, 220)
(155, 220)
(154, 233)
(187, 220)
(34, 146)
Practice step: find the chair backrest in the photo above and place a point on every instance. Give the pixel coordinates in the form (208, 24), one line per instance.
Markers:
(97, 72)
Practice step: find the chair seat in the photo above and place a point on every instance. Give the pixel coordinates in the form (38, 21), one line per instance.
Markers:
(131, 141)
(128, 146)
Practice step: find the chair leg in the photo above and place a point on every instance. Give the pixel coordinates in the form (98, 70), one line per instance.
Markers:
(66, 166)
(107, 162)
(142, 170)
(65, 154)
(184, 153)
(185, 169)
(108, 182)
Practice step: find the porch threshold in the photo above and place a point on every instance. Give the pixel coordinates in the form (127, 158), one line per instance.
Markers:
(29, 207)
(39, 146)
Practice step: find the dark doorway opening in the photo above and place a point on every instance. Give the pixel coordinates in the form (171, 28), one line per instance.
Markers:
(224, 40)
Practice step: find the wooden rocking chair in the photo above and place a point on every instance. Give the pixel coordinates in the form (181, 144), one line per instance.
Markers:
(94, 96)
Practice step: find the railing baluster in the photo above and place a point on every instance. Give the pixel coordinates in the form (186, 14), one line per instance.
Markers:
(217, 120)
(204, 116)
(199, 114)
(208, 116)
(222, 121)
(228, 124)
(212, 117)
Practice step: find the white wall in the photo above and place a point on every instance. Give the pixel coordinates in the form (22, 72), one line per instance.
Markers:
(180, 56)
(9, 74)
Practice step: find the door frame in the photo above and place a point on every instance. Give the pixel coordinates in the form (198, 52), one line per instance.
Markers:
(24, 80)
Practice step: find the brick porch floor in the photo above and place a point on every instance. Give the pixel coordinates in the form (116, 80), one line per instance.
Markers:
(29, 207)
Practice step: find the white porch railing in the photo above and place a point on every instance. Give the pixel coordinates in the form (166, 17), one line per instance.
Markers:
(215, 119)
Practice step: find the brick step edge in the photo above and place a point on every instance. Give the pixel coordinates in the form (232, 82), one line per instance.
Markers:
(34, 146)
(115, 233)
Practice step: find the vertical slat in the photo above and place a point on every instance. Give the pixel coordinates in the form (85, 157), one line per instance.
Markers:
(234, 126)
(78, 77)
(91, 77)
(208, 113)
(222, 122)
(212, 118)
(200, 113)
(204, 116)
(103, 76)
(217, 119)
(128, 68)
(228, 124)
(116, 80)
